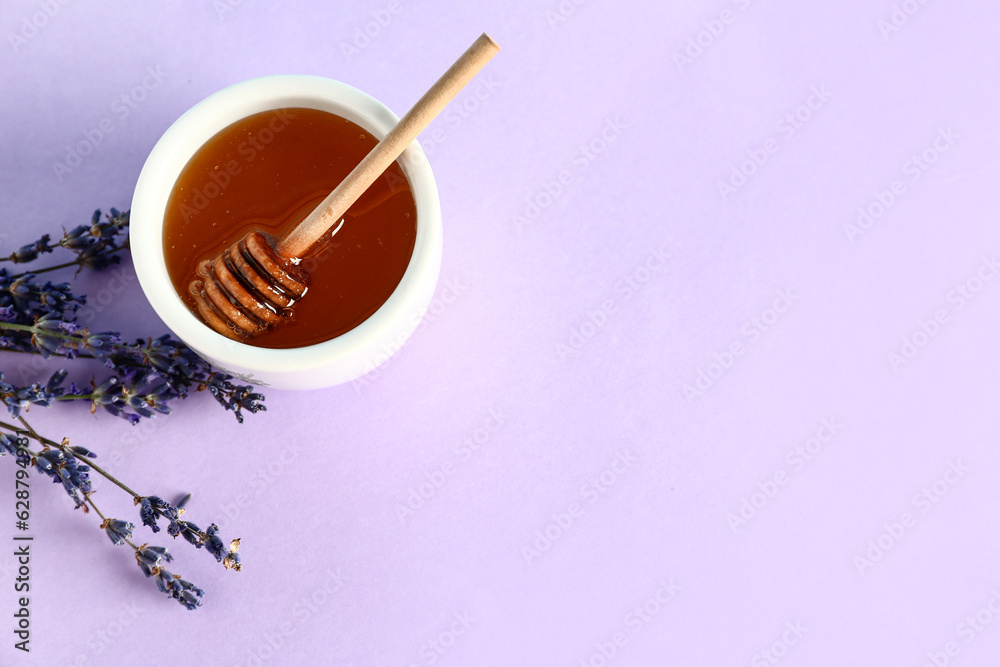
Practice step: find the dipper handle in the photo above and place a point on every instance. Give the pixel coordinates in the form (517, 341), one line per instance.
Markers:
(297, 243)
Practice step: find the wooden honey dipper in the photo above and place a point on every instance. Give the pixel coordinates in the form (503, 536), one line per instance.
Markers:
(251, 285)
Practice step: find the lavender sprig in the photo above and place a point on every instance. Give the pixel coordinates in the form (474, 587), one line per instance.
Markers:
(40, 318)
(146, 376)
(153, 507)
(96, 245)
(18, 398)
(71, 466)
(23, 300)
(151, 559)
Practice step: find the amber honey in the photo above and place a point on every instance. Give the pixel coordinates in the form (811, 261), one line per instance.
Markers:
(267, 172)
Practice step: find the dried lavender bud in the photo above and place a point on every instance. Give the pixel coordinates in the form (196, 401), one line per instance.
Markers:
(76, 239)
(144, 377)
(213, 544)
(72, 475)
(152, 372)
(148, 394)
(13, 445)
(118, 531)
(229, 558)
(83, 451)
(108, 395)
(152, 507)
(54, 384)
(18, 398)
(177, 588)
(187, 530)
(64, 464)
(235, 397)
(30, 252)
(100, 345)
(232, 560)
(23, 300)
(96, 245)
(150, 557)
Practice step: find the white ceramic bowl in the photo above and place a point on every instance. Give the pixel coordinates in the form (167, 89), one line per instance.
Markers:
(335, 361)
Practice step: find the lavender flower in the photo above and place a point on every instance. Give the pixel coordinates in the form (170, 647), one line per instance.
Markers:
(179, 589)
(19, 398)
(41, 318)
(151, 559)
(67, 471)
(13, 445)
(118, 531)
(187, 530)
(230, 559)
(64, 464)
(145, 377)
(209, 539)
(53, 387)
(151, 507)
(30, 252)
(83, 452)
(22, 299)
(235, 397)
(60, 468)
(213, 544)
(96, 245)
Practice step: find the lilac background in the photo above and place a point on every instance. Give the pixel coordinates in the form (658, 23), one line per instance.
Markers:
(547, 332)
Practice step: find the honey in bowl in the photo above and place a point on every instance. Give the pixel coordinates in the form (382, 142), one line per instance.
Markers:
(267, 172)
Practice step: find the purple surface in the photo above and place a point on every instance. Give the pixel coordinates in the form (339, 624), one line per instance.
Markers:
(600, 270)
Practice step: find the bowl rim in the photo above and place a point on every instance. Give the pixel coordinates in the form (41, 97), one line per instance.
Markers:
(202, 121)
